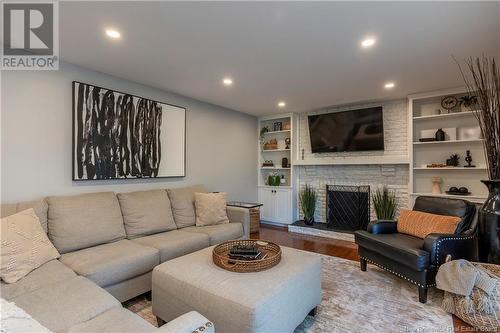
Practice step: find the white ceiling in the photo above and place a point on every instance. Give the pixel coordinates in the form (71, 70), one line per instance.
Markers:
(307, 54)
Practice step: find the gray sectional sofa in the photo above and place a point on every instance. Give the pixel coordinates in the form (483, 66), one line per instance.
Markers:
(109, 244)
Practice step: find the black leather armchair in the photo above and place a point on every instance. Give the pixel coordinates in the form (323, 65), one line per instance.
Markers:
(414, 259)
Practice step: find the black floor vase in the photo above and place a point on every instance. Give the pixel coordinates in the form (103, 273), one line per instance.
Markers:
(489, 224)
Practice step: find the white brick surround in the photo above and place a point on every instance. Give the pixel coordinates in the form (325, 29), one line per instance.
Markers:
(395, 176)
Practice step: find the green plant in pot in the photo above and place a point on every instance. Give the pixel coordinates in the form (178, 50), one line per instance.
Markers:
(307, 198)
(273, 179)
(468, 102)
(482, 79)
(385, 203)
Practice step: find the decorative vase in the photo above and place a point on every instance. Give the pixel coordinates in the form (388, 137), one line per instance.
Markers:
(309, 220)
(489, 224)
(436, 185)
(440, 135)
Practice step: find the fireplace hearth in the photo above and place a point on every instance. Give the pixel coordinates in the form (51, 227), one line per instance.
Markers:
(347, 207)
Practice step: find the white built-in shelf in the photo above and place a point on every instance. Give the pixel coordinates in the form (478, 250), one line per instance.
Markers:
(272, 150)
(277, 132)
(445, 116)
(444, 195)
(477, 168)
(418, 143)
(274, 168)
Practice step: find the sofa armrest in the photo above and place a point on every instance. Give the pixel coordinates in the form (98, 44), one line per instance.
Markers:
(383, 227)
(240, 215)
(457, 246)
(191, 322)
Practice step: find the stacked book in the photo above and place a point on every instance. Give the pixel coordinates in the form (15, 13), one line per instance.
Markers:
(245, 252)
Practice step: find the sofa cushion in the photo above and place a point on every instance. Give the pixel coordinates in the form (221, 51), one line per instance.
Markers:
(210, 209)
(25, 245)
(182, 200)
(115, 320)
(80, 221)
(59, 306)
(111, 263)
(219, 233)
(401, 248)
(175, 243)
(146, 212)
(39, 206)
(52, 272)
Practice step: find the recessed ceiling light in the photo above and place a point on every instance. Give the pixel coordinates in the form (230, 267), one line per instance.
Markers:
(368, 42)
(227, 81)
(281, 104)
(111, 33)
(389, 85)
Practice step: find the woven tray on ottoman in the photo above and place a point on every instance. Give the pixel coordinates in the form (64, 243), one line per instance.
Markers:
(271, 256)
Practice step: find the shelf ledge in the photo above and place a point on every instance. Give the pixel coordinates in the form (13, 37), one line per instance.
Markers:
(418, 143)
(447, 115)
(444, 195)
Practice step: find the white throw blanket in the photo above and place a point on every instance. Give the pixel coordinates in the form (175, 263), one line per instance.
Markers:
(459, 277)
(16, 320)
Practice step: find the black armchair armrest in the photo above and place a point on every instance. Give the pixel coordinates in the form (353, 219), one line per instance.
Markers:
(458, 246)
(383, 227)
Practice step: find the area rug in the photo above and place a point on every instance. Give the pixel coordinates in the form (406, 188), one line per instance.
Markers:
(355, 301)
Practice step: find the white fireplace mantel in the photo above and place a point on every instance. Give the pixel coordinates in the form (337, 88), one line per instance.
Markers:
(351, 160)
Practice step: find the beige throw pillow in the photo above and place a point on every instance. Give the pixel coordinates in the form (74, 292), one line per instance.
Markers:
(25, 246)
(210, 209)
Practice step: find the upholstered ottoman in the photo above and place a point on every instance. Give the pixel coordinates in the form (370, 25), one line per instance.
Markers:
(275, 300)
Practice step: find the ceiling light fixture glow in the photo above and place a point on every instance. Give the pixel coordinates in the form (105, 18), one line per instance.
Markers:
(227, 81)
(368, 42)
(113, 33)
(281, 104)
(389, 85)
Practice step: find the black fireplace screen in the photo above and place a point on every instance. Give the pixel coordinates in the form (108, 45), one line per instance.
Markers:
(347, 207)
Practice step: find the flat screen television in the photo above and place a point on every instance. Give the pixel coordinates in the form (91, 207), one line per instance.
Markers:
(356, 130)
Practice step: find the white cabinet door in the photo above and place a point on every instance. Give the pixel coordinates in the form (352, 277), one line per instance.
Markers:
(268, 199)
(283, 206)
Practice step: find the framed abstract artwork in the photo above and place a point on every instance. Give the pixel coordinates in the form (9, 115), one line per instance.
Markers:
(122, 136)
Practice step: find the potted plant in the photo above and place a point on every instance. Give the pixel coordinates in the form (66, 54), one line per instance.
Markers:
(468, 102)
(385, 203)
(483, 81)
(273, 179)
(453, 160)
(307, 198)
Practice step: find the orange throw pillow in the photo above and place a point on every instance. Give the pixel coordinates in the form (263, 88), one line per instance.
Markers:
(420, 224)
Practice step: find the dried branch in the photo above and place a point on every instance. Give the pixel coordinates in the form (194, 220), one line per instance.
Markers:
(483, 81)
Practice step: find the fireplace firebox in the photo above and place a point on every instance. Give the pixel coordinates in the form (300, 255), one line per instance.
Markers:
(347, 207)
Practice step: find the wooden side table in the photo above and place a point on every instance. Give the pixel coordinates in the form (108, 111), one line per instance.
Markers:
(254, 211)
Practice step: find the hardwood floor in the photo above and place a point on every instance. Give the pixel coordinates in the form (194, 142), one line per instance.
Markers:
(331, 247)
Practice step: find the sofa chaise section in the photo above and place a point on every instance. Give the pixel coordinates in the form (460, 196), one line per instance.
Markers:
(51, 272)
(58, 306)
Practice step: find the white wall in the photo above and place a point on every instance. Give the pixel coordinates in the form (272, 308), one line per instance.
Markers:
(36, 121)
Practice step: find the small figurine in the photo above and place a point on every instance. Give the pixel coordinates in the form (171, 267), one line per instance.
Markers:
(468, 159)
(287, 142)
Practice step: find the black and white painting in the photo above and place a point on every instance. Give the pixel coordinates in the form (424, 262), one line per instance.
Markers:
(122, 136)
